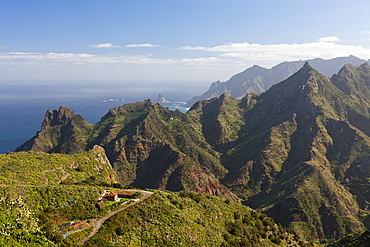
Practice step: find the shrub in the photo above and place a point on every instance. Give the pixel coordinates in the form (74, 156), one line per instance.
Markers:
(136, 195)
(79, 168)
(120, 230)
(118, 185)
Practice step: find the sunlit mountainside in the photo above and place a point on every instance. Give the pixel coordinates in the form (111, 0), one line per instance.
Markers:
(284, 152)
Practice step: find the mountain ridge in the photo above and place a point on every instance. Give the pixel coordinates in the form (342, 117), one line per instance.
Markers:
(284, 152)
(258, 79)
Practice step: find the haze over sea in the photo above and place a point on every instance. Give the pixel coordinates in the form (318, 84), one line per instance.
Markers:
(24, 104)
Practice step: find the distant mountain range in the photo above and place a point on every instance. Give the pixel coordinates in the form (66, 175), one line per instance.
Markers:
(258, 79)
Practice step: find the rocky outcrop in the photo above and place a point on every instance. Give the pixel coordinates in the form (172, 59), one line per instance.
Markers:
(161, 99)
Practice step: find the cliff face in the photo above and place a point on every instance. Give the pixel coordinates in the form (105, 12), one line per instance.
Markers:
(284, 152)
(61, 131)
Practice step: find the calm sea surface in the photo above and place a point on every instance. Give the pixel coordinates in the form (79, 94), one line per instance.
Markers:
(23, 105)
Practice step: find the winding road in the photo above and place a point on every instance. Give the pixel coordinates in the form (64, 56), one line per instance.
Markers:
(367, 202)
(99, 223)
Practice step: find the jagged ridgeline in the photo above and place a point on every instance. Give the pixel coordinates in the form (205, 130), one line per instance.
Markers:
(148, 146)
(284, 152)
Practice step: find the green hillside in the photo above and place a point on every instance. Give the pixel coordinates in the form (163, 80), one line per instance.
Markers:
(19, 225)
(32, 211)
(353, 240)
(190, 219)
(40, 190)
(284, 152)
(39, 168)
(148, 146)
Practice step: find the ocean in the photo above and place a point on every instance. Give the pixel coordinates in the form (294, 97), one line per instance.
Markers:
(23, 105)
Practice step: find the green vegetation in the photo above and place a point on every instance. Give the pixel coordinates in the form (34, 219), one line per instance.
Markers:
(190, 219)
(353, 240)
(285, 152)
(18, 224)
(50, 206)
(32, 213)
(39, 168)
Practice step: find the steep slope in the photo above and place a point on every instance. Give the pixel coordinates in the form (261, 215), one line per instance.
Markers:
(161, 99)
(332, 66)
(189, 219)
(148, 146)
(39, 168)
(61, 131)
(354, 81)
(297, 143)
(19, 225)
(38, 191)
(353, 240)
(257, 79)
(221, 120)
(285, 151)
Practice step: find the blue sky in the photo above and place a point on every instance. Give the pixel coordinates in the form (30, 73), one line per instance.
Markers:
(172, 41)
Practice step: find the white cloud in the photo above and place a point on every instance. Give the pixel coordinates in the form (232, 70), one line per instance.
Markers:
(365, 32)
(329, 39)
(204, 61)
(143, 45)
(288, 52)
(227, 58)
(107, 45)
(1, 46)
(189, 48)
(72, 58)
(44, 59)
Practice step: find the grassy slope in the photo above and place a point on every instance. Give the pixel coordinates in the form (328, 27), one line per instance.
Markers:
(19, 225)
(353, 240)
(31, 212)
(39, 168)
(38, 192)
(189, 219)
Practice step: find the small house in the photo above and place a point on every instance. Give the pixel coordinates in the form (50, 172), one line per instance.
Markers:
(69, 225)
(111, 196)
(100, 205)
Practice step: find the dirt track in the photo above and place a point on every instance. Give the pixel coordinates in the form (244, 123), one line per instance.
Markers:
(99, 223)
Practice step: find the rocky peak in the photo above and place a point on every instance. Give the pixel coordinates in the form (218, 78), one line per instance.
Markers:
(223, 97)
(140, 106)
(162, 99)
(306, 68)
(214, 85)
(354, 81)
(61, 117)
